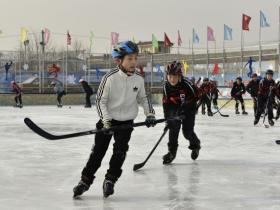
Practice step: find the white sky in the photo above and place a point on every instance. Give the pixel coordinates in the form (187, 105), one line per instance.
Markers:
(138, 18)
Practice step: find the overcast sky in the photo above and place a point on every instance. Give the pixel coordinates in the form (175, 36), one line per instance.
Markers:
(139, 18)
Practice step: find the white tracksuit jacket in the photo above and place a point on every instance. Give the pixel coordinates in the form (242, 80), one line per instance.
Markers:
(118, 96)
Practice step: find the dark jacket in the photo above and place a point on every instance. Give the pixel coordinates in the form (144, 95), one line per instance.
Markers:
(181, 98)
(87, 88)
(237, 89)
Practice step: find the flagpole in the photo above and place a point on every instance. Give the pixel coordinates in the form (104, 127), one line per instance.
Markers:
(66, 68)
(207, 59)
(260, 47)
(241, 70)
(192, 60)
(224, 54)
(279, 44)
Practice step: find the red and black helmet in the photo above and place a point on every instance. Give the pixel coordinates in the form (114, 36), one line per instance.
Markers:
(174, 68)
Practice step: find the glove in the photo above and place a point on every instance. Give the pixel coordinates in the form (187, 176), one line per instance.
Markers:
(106, 124)
(150, 121)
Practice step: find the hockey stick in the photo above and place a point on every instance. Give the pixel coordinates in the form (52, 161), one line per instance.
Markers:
(140, 165)
(223, 115)
(50, 136)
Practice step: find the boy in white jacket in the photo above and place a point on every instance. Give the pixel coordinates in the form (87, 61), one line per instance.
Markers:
(118, 96)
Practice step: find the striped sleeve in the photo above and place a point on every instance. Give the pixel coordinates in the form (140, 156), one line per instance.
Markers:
(102, 97)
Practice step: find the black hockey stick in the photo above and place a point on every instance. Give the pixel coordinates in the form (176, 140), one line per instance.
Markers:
(140, 165)
(50, 136)
(223, 115)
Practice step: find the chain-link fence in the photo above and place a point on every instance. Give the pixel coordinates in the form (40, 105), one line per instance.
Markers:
(36, 70)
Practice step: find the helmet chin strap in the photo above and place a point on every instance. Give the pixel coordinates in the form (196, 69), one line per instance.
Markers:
(128, 73)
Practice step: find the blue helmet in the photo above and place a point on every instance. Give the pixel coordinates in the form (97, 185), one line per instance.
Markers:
(124, 48)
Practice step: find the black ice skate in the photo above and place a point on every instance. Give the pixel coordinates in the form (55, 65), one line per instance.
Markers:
(169, 157)
(108, 188)
(80, 189)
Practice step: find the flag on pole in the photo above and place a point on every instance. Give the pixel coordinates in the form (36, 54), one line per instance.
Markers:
(210, 34)
(179, 41)
(154, 41)
(195, 37)
(263, 20)
(186, 66)
(245, 22)
(68, 38)
(23, 34)
(167, 42)
(114, 38)
(91, 36)
(47, 35)
(227, 32)
(134, 40)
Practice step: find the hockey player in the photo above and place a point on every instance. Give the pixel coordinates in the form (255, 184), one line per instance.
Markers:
(117, 100)
(266, 95)
(205, 90)
(88, 90)
(18, 91)
(179, 99)
(252, 88)
(214, 92)
(236, 92)
(59, 90)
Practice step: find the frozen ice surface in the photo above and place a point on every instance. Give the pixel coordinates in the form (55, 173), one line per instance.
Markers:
(238, 167)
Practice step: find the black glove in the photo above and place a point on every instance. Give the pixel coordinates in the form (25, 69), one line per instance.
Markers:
(150, 121)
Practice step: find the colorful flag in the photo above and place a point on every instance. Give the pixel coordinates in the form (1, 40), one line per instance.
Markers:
(91, 36)
(47, 35)
(68, 38)
(245, 22)
(195, 37)
(263, 20)
(210, 34)
(186, 66)
(154, 41)
(114, 38)
(23, 34)
(134, 40)
(227, 32)
(167, 42)
(179, 41)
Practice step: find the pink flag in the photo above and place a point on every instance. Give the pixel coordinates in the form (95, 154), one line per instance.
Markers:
(210, 34)
(114, 38)
(47, 34)
(179, 39)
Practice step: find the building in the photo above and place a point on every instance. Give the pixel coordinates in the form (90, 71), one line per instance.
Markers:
(147, 48)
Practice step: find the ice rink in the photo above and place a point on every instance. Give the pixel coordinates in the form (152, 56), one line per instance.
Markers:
(238, 166)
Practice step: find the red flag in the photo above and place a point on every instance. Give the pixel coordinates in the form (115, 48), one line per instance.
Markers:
(167, 42)
(179, 39)
(68, 38)
(215, 69)
(245, 22)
